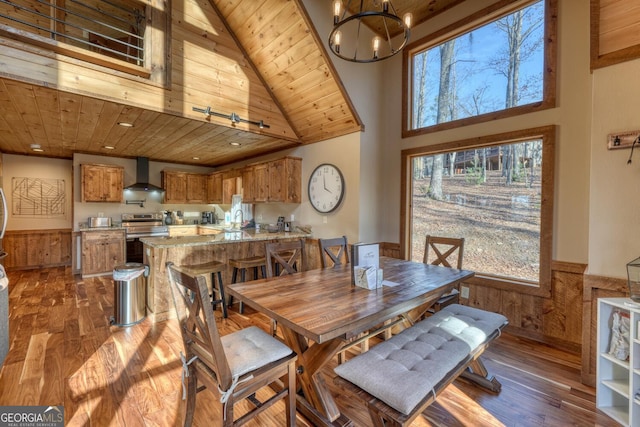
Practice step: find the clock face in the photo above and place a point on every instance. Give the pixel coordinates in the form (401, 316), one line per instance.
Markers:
(326, 188)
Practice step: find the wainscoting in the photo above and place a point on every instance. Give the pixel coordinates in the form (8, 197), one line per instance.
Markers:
(595, 287)
(29, 249)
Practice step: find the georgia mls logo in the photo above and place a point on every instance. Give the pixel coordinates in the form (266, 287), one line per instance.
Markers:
(31, 416)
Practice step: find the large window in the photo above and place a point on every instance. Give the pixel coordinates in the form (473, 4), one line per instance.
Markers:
(497, 193)
(494, 67)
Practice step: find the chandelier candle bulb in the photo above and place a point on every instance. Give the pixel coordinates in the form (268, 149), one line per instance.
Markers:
(408, 19)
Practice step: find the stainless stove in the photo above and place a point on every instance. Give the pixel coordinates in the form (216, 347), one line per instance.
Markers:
(141, 225)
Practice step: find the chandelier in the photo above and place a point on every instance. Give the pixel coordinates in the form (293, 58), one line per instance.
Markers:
(349, 41)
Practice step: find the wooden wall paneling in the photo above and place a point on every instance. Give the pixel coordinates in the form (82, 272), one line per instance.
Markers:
(615, 32)
(595, 287)
(27, 249)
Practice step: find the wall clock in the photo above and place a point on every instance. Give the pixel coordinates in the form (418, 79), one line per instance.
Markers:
(326, 188)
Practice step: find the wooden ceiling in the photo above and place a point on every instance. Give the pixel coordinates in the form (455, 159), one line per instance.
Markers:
(295, 88)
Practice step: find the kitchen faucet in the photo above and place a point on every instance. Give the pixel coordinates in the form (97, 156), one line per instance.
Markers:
(239, 211)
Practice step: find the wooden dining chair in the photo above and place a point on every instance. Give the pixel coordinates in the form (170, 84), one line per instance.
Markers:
(284, 258)
(333, 251)
(235, 366)
(448, 252)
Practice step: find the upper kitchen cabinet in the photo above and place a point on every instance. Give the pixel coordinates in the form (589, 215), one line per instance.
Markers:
(102, 183)
(175, 186)
(214, 188)
(248, 185)
(196, 188)
(261, 182)
(285, 180)
(184, 187)
(231, 184)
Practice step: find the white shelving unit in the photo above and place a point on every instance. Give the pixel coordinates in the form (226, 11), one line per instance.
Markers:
(618, 380)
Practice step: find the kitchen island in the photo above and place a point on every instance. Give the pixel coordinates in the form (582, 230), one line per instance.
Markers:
(181, 250)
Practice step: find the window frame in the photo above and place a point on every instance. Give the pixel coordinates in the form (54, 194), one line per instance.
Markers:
(548, 136)
(467, 24)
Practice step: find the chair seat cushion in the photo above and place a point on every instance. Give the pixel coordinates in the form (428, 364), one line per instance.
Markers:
(404, 369)
(252, 348)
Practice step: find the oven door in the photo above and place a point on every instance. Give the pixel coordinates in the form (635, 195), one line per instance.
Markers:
(135, 250)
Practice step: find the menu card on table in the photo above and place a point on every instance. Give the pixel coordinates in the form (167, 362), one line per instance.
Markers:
(365, 263)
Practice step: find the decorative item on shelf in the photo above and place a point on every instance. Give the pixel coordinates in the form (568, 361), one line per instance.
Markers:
(347, 39)
(633, 279)
(235, 118)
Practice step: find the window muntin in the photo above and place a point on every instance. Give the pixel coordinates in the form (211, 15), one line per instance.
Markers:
(466, 92)
(518, 244)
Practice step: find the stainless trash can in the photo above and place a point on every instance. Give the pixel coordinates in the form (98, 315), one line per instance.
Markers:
(130, 291)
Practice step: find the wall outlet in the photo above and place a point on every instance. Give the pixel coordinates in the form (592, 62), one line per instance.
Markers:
(464, 292)
(293, 217)
(324, 219)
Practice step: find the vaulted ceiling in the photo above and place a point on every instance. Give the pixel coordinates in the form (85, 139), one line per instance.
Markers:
(270, 46)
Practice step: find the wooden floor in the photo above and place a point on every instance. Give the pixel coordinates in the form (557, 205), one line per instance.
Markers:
(64, 352)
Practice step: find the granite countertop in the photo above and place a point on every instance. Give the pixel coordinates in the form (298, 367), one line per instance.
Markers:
(248, 235)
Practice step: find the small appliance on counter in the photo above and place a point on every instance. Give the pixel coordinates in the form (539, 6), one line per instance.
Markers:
(208, 218)
(99, 222)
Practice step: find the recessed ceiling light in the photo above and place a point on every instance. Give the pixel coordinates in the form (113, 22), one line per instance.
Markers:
(235, 144)
(109, 147)
(196, 158)
(125, 124)
(36, 148)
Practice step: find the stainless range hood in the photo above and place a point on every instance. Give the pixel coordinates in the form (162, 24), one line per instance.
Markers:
(142, 177)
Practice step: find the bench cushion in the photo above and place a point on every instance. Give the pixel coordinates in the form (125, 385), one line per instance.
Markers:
(403, 370)
(469, 324)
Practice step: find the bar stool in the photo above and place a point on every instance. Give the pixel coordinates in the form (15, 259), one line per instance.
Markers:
(241, 265)
(214, 268)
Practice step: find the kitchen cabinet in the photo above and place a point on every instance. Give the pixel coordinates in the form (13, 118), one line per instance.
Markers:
(102, 251)
(285, 180)
(184, 187)
(196, 188)
(214, 188)
(261, 182)
(102, 183)
(248, 185)
(618, 377)
(208, 231)
(231, 184)
(181, 230)
(175, 186)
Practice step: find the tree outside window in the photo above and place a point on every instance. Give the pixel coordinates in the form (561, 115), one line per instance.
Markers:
(492, 197)
(496, 67)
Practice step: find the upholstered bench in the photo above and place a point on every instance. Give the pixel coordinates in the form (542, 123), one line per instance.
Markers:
(398, 378)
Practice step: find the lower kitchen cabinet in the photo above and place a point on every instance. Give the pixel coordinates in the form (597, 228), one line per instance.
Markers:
(102, 251)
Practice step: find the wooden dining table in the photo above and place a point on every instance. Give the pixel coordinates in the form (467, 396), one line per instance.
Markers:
(318, 311)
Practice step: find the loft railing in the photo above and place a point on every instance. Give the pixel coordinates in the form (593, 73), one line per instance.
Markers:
(110, 27)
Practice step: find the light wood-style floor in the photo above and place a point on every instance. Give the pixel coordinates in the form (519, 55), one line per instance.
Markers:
(64, 352)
